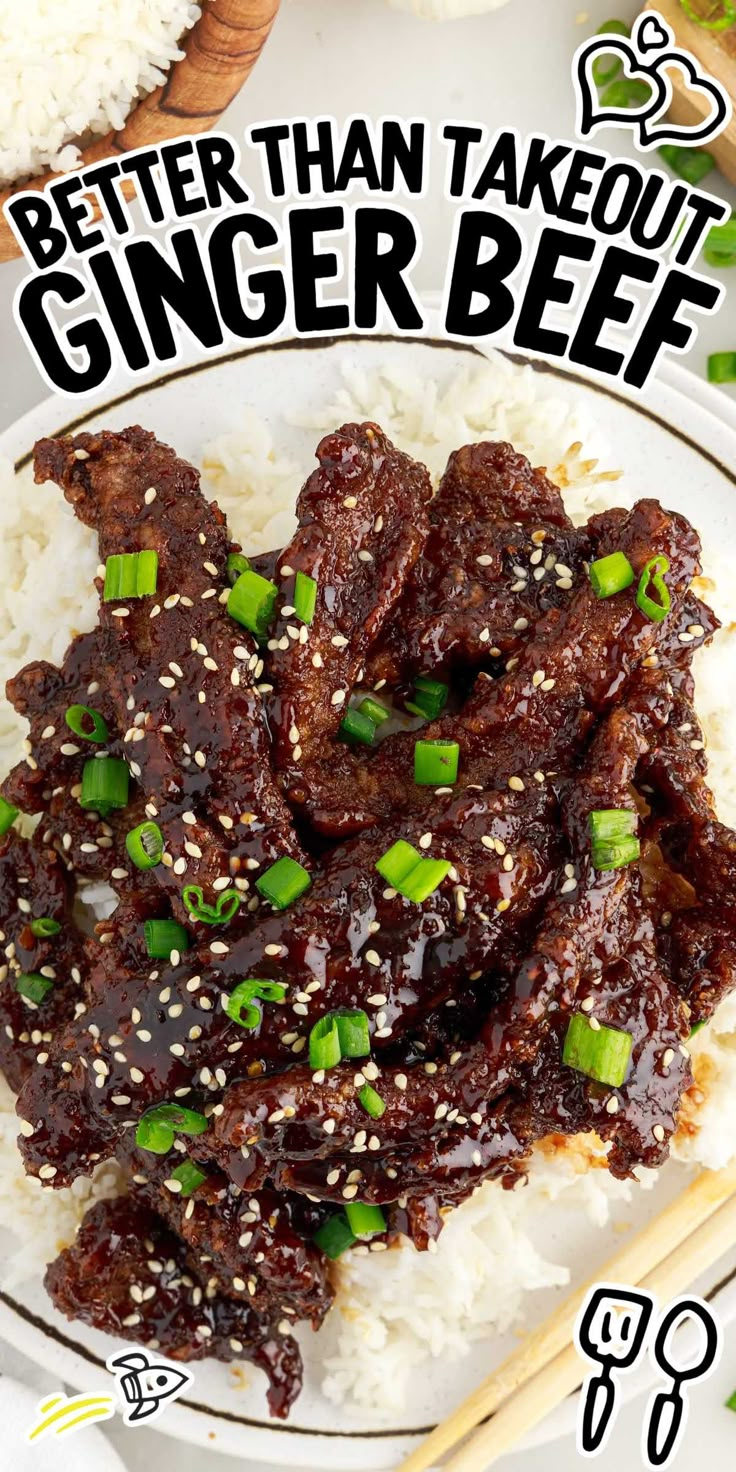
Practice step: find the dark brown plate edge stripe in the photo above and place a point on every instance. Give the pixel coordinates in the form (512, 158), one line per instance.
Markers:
(439, 344)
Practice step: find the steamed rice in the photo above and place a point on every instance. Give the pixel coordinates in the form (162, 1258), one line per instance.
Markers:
(399, 1308)
(75, 70)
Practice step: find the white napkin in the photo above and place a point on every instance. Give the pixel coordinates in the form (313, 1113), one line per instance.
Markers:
(87, 1450)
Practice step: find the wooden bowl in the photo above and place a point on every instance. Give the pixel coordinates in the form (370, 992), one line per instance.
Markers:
(220, 52)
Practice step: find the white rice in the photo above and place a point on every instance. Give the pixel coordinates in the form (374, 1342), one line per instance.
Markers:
(73, 70)
(394, 1310)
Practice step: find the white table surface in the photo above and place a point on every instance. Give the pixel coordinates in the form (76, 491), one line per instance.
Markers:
(348, 56)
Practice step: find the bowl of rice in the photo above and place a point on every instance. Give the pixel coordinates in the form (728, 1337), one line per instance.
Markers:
(92, 78)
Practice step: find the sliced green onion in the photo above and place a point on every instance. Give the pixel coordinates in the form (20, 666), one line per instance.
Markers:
(324, 1043)
(356, 727)
(252, 601)
(236, 563)
(353, 1032)
(425, 879)
(690, 164)
(240, 1003)
(373, 709)
(710, 21)
(189, 1177)
(145, 845)
(397, 863)
(606, 825)
(722, 368)
(130, 575)
(604, 70)
(435, 763)
(341, 1034)
(33, 986)
(626, 92)
(284, 882)
(611, 574)
(80, 717)
(653, 577)
(45, 927)
(720, 244)
(616, 854)
(305, 597)
(696, 1028)
(364, 1220)
(335, 1237)
(222, 912)
(105, 785)
(158, 1127)
(8, 815)
(163, 937)
(430, 697)
(408, 872)
(371, 1101)
(601, 1053)
(731, 1402)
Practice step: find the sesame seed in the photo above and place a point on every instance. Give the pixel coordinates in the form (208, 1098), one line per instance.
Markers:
(338, 697)
(516, 784)
(659, 1132)
(612, 1105)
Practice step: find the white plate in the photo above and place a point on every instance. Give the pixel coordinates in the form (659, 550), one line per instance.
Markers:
(679, 446)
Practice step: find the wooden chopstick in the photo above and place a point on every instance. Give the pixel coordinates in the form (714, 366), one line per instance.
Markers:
(565, 1373)
(671, 1235)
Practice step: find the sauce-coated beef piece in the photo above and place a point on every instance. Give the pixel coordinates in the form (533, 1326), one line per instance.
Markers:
(121, 1246)
(561, 704)
(501, 551)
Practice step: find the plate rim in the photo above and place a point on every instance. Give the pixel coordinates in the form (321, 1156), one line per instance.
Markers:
(671, 375)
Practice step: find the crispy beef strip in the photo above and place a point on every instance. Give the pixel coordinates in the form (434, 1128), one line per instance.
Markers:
(580, 931)
(34, 885)
(538, 714)
(122, 1245)
(362, 526)
(178, 672)
(501, 551)
(251, 1240)
(350, 941)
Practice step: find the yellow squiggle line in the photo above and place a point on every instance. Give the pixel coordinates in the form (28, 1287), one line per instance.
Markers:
(70, 1405)
(85, 1416)
(48, 1405)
